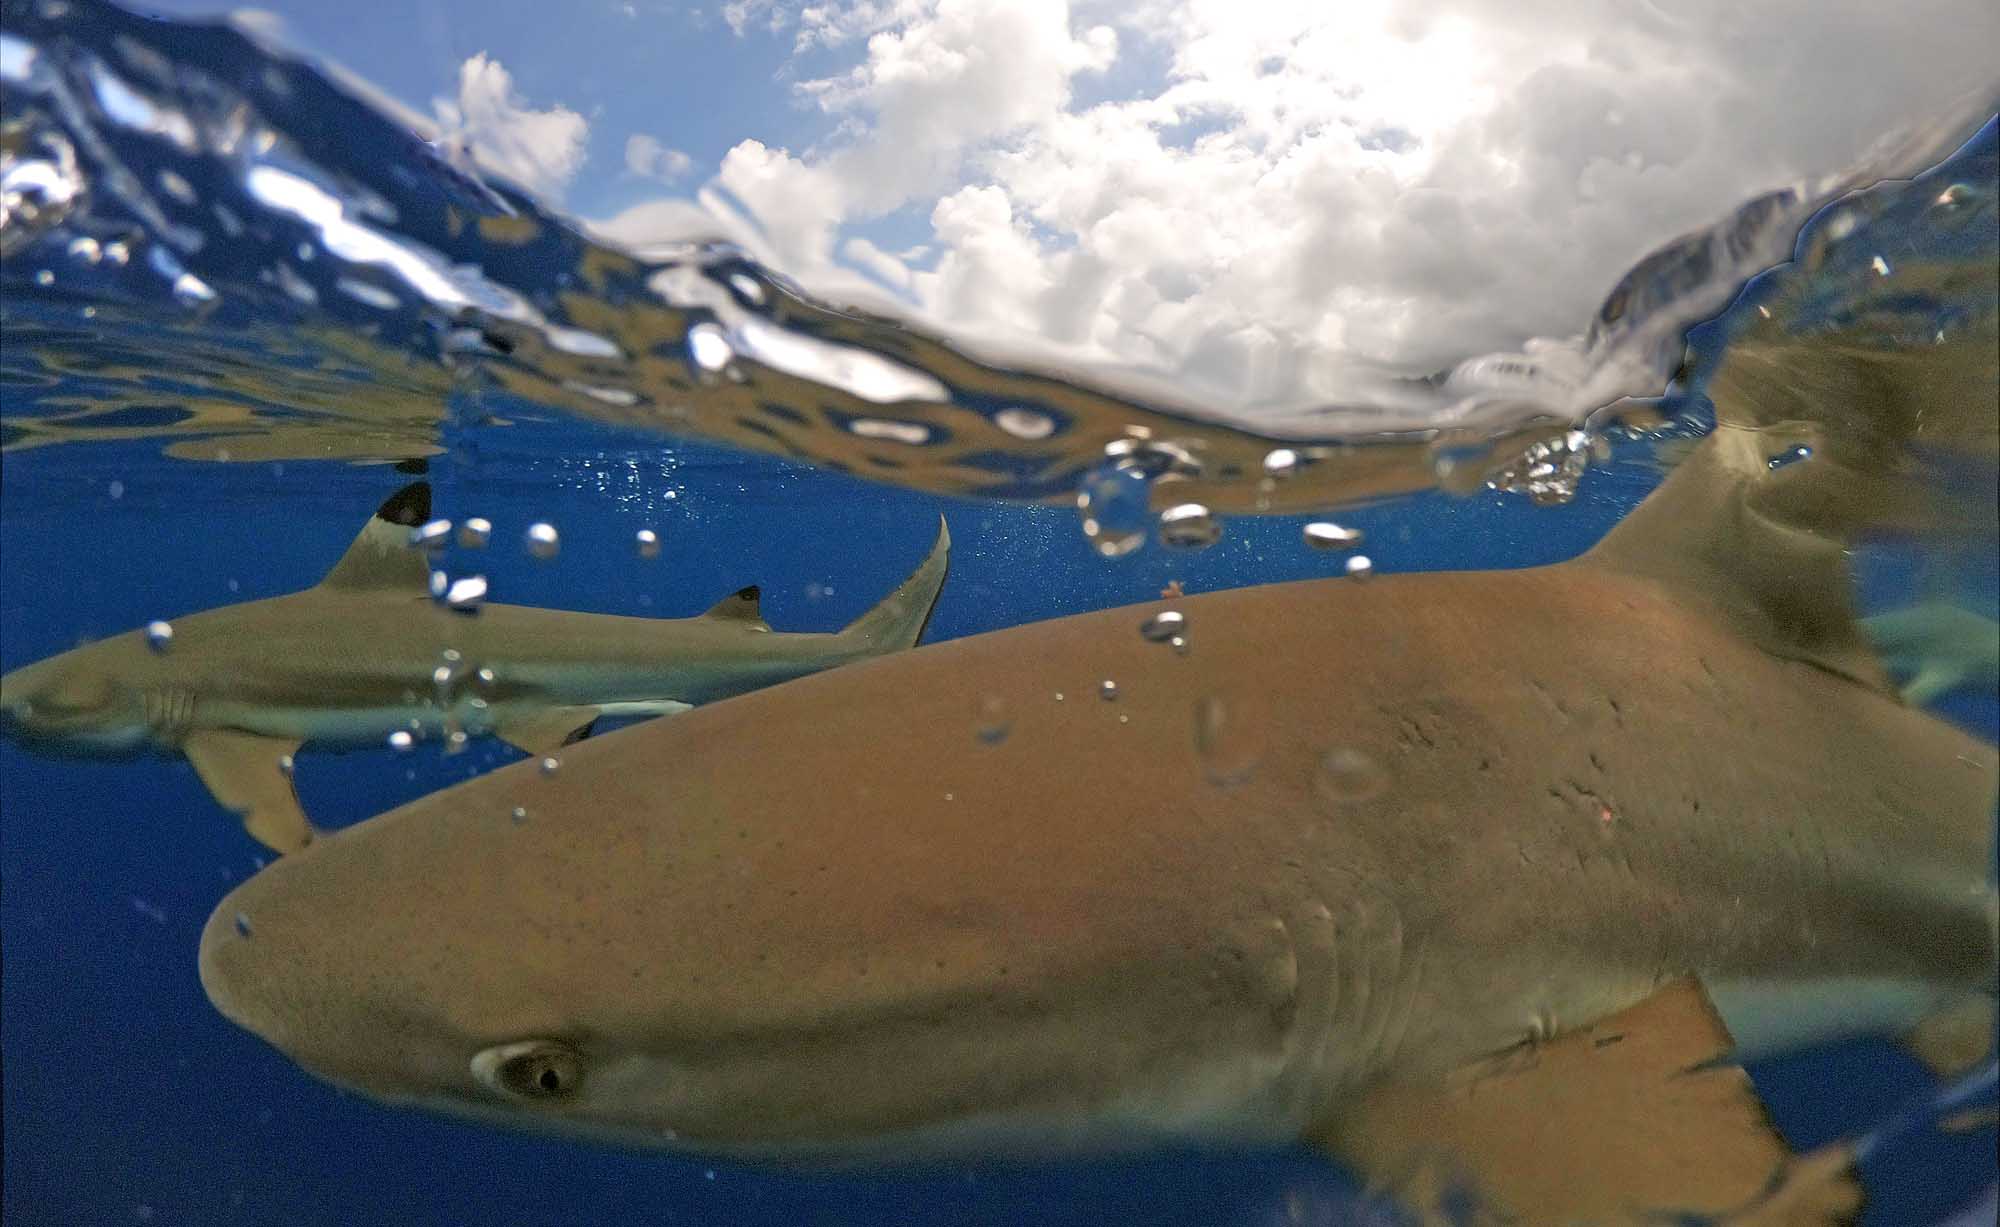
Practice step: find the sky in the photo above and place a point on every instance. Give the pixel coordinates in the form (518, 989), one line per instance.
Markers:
(1255, 199)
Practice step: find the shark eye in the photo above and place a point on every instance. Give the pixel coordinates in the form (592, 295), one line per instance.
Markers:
(530, 1069)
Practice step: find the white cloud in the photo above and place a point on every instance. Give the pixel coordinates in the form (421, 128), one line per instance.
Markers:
(649, 159)
(539, 150)
(1318, 188)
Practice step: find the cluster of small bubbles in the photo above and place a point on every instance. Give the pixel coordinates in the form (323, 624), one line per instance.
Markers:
(551, 765)
(1112, 505)
(1227, 744)
(401, 739)
(1549, 471)
(649, 543)
(1189, 526)
(994, 723)
(159, 636)
(542, 541)
(1326, 535)
(1164, 626)
(1107, 690)
(285, 765)
(1347, 775)
(520, 814)
(475, 533)
(466, 595)
(1790, 456)
(1360, 566)
(1025, 423)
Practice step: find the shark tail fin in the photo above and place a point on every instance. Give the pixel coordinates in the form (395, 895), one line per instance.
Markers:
(898, 618)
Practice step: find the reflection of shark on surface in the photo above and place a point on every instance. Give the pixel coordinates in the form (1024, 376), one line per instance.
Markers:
(1479, 870)
(366, 653)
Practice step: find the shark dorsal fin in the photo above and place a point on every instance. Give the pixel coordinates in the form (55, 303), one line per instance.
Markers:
(380, 556)
(740, 606)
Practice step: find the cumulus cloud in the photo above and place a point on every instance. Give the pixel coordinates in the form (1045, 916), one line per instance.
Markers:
(649, 159)
(540, 150)
(1314, 189)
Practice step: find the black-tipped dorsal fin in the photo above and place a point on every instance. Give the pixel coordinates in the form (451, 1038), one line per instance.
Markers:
(381, 556)
(740, 606)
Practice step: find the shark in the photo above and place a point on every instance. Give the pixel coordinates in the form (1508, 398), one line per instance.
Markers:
(1480, 880)
(367, 654)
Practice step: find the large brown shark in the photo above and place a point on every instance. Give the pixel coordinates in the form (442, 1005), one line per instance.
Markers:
(1461, 872)
(367, 653)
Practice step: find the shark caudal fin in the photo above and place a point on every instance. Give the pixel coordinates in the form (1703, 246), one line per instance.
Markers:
(898, 619)
(380, 556)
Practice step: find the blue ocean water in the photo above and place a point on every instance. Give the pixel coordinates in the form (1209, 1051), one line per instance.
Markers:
(128, 1099)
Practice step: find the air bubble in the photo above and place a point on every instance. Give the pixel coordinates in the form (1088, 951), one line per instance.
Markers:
(159, 636)
(285, 765)
(520, 814)
(1112, 507)
(1790, 456)
(1025, 423)
(242, 925)
(485, 679)
(401, 740)
(1347, 775)
(1360, 566)
(44, 277)
(1189, 526)
(1226, 741)
(116, 489)
(1163, 626)
(1107, 690)
(1326, 535)
(649, 543)
(1179, 644)
(709, 348)
(1281, 462)
(475, 533)
(466, 595)
(1880, 266)
(439, 582)
(551, 765)
(994, 723)
(456, 741)
(542, 540)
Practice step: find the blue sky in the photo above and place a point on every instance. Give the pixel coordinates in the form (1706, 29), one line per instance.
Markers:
(1252, 198)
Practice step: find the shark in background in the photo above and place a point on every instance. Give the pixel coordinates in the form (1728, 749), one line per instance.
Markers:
(367, 653)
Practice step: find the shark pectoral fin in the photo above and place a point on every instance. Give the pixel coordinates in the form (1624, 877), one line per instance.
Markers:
(1631, 1118)
(380, 557)
(547, 730)
(243, 771)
